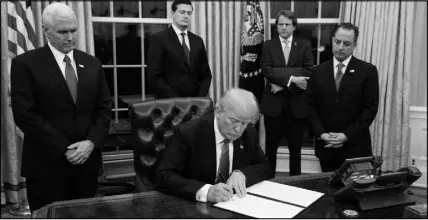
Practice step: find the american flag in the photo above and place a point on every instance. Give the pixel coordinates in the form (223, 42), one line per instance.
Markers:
(21, 28)
(21, 38)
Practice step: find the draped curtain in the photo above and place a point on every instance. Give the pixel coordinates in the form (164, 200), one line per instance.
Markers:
(386, 40)
(219, 24)
(11, 144)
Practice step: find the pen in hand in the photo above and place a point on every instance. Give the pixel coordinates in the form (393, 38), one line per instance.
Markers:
(223, 180)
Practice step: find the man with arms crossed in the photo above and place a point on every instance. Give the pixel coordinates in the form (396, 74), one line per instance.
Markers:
(284, 63)
(60, 100)
(211, 156)
(343, 99)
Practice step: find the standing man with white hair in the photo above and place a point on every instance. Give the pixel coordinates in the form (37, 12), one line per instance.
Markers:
(212, 156)
(60, 100)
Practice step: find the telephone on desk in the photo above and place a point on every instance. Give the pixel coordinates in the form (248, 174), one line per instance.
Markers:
(360, 180)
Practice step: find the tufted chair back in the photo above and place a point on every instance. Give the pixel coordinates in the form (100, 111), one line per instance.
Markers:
(152, 124)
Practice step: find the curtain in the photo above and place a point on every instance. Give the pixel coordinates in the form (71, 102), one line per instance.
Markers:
(219, 24)
(11, 145)
(386, 31)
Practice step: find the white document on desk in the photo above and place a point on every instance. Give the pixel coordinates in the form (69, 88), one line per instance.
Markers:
(258, 207)
(271, 200)
(285, 193)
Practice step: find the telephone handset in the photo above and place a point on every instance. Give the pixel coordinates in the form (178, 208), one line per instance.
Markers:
(381, 191)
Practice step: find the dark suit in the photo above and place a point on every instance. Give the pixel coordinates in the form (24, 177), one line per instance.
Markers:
(44, 110)
(285, 111)
(189, 162)
(169, 73)
(350, 110)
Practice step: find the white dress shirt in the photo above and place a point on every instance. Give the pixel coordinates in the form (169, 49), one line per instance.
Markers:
(202, 193)
(290, 40)
(180, 38)
(345, 65)
(59, 57)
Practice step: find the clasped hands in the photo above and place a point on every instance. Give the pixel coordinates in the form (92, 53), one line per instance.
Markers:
(79, 152)
(300, 81)
(222, 192)
(334, 140)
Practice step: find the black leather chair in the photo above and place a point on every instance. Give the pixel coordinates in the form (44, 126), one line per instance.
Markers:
(152, 122)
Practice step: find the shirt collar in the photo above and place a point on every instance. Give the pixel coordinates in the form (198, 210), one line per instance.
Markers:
(345, 62)
(59, 56)
(218, 136)
(290, 39)
(178, 31)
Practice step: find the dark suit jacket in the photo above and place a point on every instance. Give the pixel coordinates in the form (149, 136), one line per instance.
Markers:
(168, 71)
(189, 162)
(350, 110)
(44, 110)
(277, 72)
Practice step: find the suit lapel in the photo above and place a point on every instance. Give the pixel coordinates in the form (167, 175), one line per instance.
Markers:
(208, 140)
(55, 72)
(80, 67)
(177, 46)
(349, 75)
(294, 52)
(329, 77)
(277, 50)
(237, 154)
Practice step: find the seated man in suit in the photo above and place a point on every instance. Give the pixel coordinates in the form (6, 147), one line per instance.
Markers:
(211, 156)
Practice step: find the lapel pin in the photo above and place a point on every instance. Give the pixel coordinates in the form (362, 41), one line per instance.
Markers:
(242, 147)
(351, 71)
(81, 66)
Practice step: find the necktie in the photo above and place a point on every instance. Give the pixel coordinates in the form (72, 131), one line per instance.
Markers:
(339, 75)
(223, 168)
(185, 48)
(286, 51)
(70, 77)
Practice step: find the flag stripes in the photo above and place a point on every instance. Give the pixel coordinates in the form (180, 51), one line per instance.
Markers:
(21, 31)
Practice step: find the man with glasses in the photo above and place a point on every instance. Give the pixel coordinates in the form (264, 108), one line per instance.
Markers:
(343, 100)
(210, 157)
(177, 62)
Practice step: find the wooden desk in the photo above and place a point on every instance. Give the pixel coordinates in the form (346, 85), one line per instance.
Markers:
(157, 205)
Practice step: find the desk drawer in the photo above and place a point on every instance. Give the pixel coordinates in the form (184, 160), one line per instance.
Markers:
(121, 168)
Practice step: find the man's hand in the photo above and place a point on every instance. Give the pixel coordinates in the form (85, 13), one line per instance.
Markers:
(219, 192)
(82, 151)
(300, 81)
(341, 137)
(237, 182)
(251, 57)
(331, 141)
(275, 88)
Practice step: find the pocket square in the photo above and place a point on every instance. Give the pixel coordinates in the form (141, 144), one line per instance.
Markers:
(81, 66)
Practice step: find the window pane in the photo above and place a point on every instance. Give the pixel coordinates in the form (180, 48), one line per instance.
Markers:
(101, 8)
(305, 9)
(128, 81)
(103, 42)
(276, 6)
(309, 32)
(128, 44)
(153, 9)
(326, 42)
(330, 9)
(110, 80)
(125, 9)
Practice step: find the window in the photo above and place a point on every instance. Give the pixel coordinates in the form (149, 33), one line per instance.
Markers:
(316, 21)
(122, 31)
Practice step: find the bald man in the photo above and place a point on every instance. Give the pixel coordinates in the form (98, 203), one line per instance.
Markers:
(60, 100)
(212, 156)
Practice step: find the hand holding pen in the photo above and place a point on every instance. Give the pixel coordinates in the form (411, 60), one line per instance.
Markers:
(220, 192)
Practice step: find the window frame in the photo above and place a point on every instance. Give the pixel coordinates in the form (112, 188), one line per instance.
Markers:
(128, 20)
